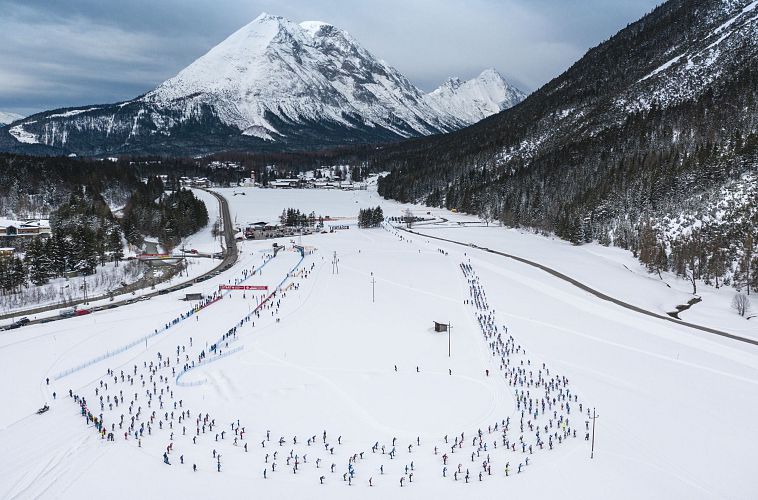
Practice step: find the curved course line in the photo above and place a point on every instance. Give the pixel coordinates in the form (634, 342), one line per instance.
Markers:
(240, 323)
(592, 291)
(126, 347)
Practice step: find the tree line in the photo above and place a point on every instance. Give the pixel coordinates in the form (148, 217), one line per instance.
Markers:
(168, 216)
(370, 217)
(292, 217)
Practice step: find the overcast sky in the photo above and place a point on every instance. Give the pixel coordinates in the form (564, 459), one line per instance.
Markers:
(60, 53)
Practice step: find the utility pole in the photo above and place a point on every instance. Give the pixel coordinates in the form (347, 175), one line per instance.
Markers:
(449, 333)
(373, 283)
(595, 416)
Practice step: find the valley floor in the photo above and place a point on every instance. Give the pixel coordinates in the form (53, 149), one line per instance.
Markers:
(346, 347)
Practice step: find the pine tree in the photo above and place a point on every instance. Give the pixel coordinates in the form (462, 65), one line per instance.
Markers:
(38, 262)
(746, 270)
(115, 246)
(17, 273)
(59, 253)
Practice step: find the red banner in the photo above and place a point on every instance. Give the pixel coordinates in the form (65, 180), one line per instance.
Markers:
(243, 287)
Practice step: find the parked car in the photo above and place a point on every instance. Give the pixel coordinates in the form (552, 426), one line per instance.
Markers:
(67, 312)
(82, 312)
(23, 321)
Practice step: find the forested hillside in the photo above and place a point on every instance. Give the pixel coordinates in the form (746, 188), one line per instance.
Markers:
(79, 197)
(642, 130)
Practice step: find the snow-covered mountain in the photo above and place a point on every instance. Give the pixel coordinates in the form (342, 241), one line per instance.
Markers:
(272, 83)
(6, 118)
(475, 99)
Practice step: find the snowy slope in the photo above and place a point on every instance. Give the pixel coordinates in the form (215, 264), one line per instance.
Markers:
(272, 81)
(475, 99)
(6, 118)
(304, 72)
(706, 59)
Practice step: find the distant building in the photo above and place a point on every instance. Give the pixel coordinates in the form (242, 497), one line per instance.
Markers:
(198, 182)
(28, 228)
(284, 183)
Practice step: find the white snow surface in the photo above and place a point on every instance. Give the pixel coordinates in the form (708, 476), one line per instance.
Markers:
(475, 99)
(6, 117)
(675, 405)
(22, 135)
(316, 71)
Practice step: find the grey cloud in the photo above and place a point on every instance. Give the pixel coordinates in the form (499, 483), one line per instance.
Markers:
(58, 54)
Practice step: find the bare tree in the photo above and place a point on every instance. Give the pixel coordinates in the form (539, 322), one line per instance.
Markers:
(487, 214)
(408, 216)
(741, 303)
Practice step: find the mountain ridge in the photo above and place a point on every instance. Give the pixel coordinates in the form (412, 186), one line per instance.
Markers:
(272, 83)
(7, 118)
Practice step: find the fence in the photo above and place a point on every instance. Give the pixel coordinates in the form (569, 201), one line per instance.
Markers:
(233, 350)
(224, 354)
(174, 322)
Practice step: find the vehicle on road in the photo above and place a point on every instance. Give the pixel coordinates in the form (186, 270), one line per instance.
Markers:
(67, 312)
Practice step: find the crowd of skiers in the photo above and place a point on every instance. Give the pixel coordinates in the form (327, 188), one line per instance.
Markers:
(139, 402)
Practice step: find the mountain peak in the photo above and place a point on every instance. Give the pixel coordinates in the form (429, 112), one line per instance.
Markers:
(265, 17)
(474, 99)
(276, 81)
(453, 82)
(6, 118)
(490, 73)
(314, 27)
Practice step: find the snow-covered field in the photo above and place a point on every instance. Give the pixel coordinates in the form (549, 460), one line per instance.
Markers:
(676, 406)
